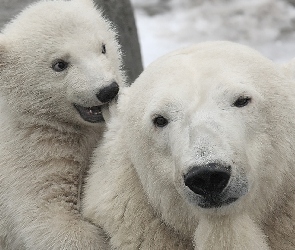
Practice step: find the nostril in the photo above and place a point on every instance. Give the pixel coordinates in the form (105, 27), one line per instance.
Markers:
(108, 93)
(207, 179)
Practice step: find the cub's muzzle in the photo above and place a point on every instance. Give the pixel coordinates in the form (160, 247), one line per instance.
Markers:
(108, 93)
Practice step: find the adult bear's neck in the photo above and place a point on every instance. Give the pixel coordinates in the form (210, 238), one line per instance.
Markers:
(279, 224)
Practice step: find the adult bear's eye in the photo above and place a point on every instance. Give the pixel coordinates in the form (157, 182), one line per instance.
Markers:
(59, 65)
(160, 121)
(242, 101)
(103, 49)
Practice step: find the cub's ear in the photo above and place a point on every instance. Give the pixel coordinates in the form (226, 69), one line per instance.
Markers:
(89, 2)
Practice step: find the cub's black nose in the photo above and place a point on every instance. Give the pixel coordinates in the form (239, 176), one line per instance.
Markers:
(108, 93)
(208, 180)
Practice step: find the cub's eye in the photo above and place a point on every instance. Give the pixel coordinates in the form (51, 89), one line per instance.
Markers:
(103, 49)
(242, 101)
(59, 65)
(160, 121)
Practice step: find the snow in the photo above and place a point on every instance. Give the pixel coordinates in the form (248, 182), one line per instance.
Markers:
(266, 25)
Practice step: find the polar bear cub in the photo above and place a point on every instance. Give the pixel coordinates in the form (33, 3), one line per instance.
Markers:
(200, 155)
(60, 69)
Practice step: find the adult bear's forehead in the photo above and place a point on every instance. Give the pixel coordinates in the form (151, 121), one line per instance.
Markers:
(185, 76)
(210, 53)
(204, 65)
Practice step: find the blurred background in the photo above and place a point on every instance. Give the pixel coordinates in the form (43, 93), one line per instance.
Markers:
(267, 25)
(165, 25)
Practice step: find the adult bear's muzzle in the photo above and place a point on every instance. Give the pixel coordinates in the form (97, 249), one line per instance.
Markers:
(211, 184)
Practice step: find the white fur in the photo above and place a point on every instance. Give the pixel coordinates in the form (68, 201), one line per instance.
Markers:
(229, 232)
(45, 144)
(289, 68)
(136, 191)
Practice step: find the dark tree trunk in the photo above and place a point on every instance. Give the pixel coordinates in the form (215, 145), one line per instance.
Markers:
(10, 8)
(120, 12)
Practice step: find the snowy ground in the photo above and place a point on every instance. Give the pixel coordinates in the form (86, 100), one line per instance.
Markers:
(165, 25)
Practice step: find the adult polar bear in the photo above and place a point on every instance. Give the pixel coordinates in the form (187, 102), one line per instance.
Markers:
(59, 68)
(205, 152)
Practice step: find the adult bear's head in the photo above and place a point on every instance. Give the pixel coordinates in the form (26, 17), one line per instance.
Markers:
(210, 129)
(60, 62)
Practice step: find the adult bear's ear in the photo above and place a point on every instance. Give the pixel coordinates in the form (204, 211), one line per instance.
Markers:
(289, 69)
(3, 51)
(118, 107)
(124, 96)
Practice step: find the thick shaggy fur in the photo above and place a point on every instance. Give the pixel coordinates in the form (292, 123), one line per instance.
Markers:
(136, 190)
(45, 144)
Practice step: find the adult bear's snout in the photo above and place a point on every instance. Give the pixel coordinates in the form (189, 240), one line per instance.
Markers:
(108, 93)
(208, 180)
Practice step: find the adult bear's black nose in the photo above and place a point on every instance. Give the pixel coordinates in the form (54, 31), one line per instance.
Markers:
(108, 93)
(208, 180)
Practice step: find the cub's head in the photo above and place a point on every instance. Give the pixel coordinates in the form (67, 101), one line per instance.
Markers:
(210, 126)
(60, 60)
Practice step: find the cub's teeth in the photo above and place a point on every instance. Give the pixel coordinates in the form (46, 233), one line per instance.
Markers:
(90, 111)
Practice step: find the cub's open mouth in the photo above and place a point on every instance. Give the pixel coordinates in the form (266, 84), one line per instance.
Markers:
(90, 114)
